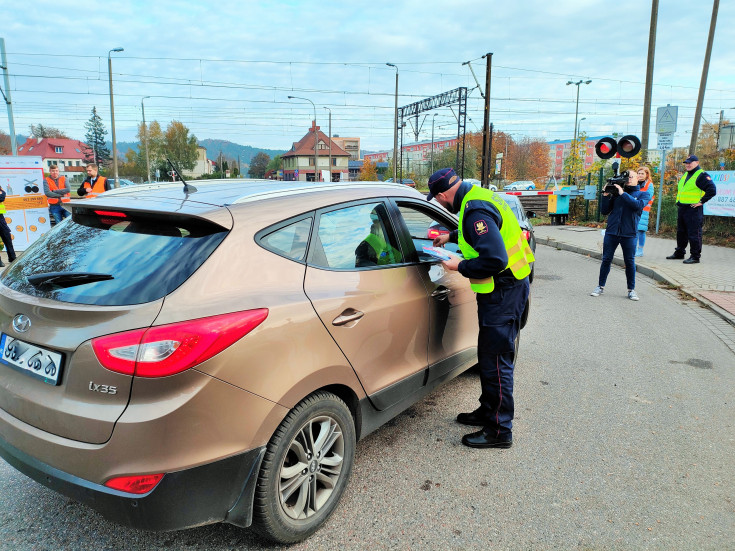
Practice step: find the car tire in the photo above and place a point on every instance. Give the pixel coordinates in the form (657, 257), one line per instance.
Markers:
(533, 270)
(305, 470)
(516, 347)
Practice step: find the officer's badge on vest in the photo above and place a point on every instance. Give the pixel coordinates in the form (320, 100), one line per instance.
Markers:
(480, 227)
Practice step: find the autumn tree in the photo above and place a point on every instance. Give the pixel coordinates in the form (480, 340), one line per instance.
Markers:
(96, 151)
(276, 163)
(574, 162)
(4, 143)
(179, 146)
(529, 160)
(369, 171)
(155, 141)
(40, 131)
(259, 164)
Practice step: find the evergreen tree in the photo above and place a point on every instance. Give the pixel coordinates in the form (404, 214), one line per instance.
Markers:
(96, 151)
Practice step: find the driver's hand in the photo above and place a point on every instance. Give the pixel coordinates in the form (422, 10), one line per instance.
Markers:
(441, 240)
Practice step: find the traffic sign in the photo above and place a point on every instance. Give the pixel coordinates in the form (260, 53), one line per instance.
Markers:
(666, 141)
(666, 119)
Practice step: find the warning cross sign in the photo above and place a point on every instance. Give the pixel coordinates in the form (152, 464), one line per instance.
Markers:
(666, 119)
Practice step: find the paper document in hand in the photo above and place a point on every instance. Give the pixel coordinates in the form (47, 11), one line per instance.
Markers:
(436, 252)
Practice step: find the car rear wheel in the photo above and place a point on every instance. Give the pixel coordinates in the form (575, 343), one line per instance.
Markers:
(305, 469)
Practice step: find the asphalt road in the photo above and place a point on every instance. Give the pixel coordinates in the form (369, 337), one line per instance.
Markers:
(624, 439)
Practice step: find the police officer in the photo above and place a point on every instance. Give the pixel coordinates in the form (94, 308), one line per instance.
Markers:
(94, 184)
(57, 191)
(496, 261)
(695, 189)
(5, 235)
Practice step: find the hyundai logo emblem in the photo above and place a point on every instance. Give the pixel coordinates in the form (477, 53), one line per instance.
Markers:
(21, 323)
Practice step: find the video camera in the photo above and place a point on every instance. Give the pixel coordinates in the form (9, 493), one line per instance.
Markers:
(626, 147)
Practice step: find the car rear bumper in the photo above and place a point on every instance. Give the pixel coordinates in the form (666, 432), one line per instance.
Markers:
(215, 492)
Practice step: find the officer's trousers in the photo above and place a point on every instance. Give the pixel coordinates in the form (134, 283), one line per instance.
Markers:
(6, 238)
(499, 315)
(689, 230)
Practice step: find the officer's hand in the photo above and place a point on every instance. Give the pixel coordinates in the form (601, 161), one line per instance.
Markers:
(696, 205)
(441, 240)
(452, 263)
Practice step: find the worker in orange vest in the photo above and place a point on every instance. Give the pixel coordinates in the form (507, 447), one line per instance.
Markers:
(57, 192)
(94, 184)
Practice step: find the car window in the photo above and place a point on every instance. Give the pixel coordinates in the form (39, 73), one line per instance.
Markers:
(290, 240)
(424, 226)
(358, 236)
(129, 258)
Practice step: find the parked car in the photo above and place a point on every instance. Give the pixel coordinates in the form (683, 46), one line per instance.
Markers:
(176, 359)
(405, 181)
(475, 182)
(123, 182)
(520, 185)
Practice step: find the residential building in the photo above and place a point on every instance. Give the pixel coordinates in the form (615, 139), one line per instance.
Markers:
(351, 145)
(298, 162)
(419, 152)
(559, 150)
(66, 153)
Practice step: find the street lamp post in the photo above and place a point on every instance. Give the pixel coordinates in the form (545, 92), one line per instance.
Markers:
(580, 124)
(112, 115)
(395, 127)
(576, 110)
(316, 137)
(330, 143)
(432, 143)
(145, 137)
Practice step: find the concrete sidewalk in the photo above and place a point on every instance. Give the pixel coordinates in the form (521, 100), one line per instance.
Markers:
(712, 281)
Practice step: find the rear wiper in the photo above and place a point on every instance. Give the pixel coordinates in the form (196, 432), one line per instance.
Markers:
(62, 280)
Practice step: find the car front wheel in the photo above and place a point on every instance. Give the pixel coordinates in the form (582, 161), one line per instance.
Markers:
(306, 467)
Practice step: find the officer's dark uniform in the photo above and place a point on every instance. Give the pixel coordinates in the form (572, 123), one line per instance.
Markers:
(499, 316)
(690, 219)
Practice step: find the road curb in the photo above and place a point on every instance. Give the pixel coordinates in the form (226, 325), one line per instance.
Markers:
(643, 270)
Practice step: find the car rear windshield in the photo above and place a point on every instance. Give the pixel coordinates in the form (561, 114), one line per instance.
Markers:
(114, 258)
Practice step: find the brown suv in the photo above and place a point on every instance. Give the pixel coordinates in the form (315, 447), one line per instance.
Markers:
(175, 359)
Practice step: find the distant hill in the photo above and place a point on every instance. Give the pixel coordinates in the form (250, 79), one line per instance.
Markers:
(232, 150)
(229, 149)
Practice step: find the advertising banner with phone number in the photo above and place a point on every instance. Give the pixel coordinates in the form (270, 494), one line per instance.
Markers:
(27, 209)
(722, 204)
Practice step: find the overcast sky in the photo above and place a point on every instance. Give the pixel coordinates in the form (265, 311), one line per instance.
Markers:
(226, 69)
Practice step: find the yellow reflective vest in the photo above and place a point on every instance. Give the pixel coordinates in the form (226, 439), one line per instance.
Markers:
(519, 253)
(688, 193)
(383, 252)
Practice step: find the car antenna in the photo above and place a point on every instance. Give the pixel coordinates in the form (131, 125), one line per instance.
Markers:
(188, 188)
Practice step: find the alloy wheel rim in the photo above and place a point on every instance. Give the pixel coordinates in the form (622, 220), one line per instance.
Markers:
(311, 468)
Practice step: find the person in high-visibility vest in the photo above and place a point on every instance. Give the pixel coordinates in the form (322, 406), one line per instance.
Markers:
(694, 190)
(5, 235)
(497, 261)
(374, 250)
(57, 192)
(94, 184)
(645, 184)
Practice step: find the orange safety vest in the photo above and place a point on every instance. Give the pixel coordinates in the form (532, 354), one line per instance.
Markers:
(53, 186)
(644, 187)
(97, 188)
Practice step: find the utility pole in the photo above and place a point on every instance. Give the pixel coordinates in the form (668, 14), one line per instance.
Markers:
(8, 101)
(395, 129)
(112, 116)
(703, 82)
(145, 135)
(330, 143)
(432, 143)
(486, 127)
(649, 79)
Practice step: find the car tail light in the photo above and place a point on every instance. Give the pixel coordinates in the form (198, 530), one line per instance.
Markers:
(433, 233)
(527, 235)
(168, 349)
(140, 484)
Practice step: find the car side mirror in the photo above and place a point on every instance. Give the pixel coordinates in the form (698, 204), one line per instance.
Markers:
(530, 214)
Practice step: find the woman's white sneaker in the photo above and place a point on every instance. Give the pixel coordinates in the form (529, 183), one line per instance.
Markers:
(632, 295)
(597, 292)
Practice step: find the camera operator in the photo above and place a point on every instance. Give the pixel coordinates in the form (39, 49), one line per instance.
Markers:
(623, 205)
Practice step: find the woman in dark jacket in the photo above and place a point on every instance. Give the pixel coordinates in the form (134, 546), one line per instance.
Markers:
(624, 212)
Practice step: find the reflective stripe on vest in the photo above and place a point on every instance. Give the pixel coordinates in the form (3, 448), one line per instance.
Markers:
(519, 253)
(645, 187)
(97, 188)
(383, 252)
(688, 193)
(53, 186)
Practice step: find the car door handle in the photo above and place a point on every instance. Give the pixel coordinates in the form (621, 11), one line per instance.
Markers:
(347, 316)
(441, 293)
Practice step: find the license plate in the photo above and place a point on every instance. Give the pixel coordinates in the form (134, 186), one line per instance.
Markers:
(31, 359)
